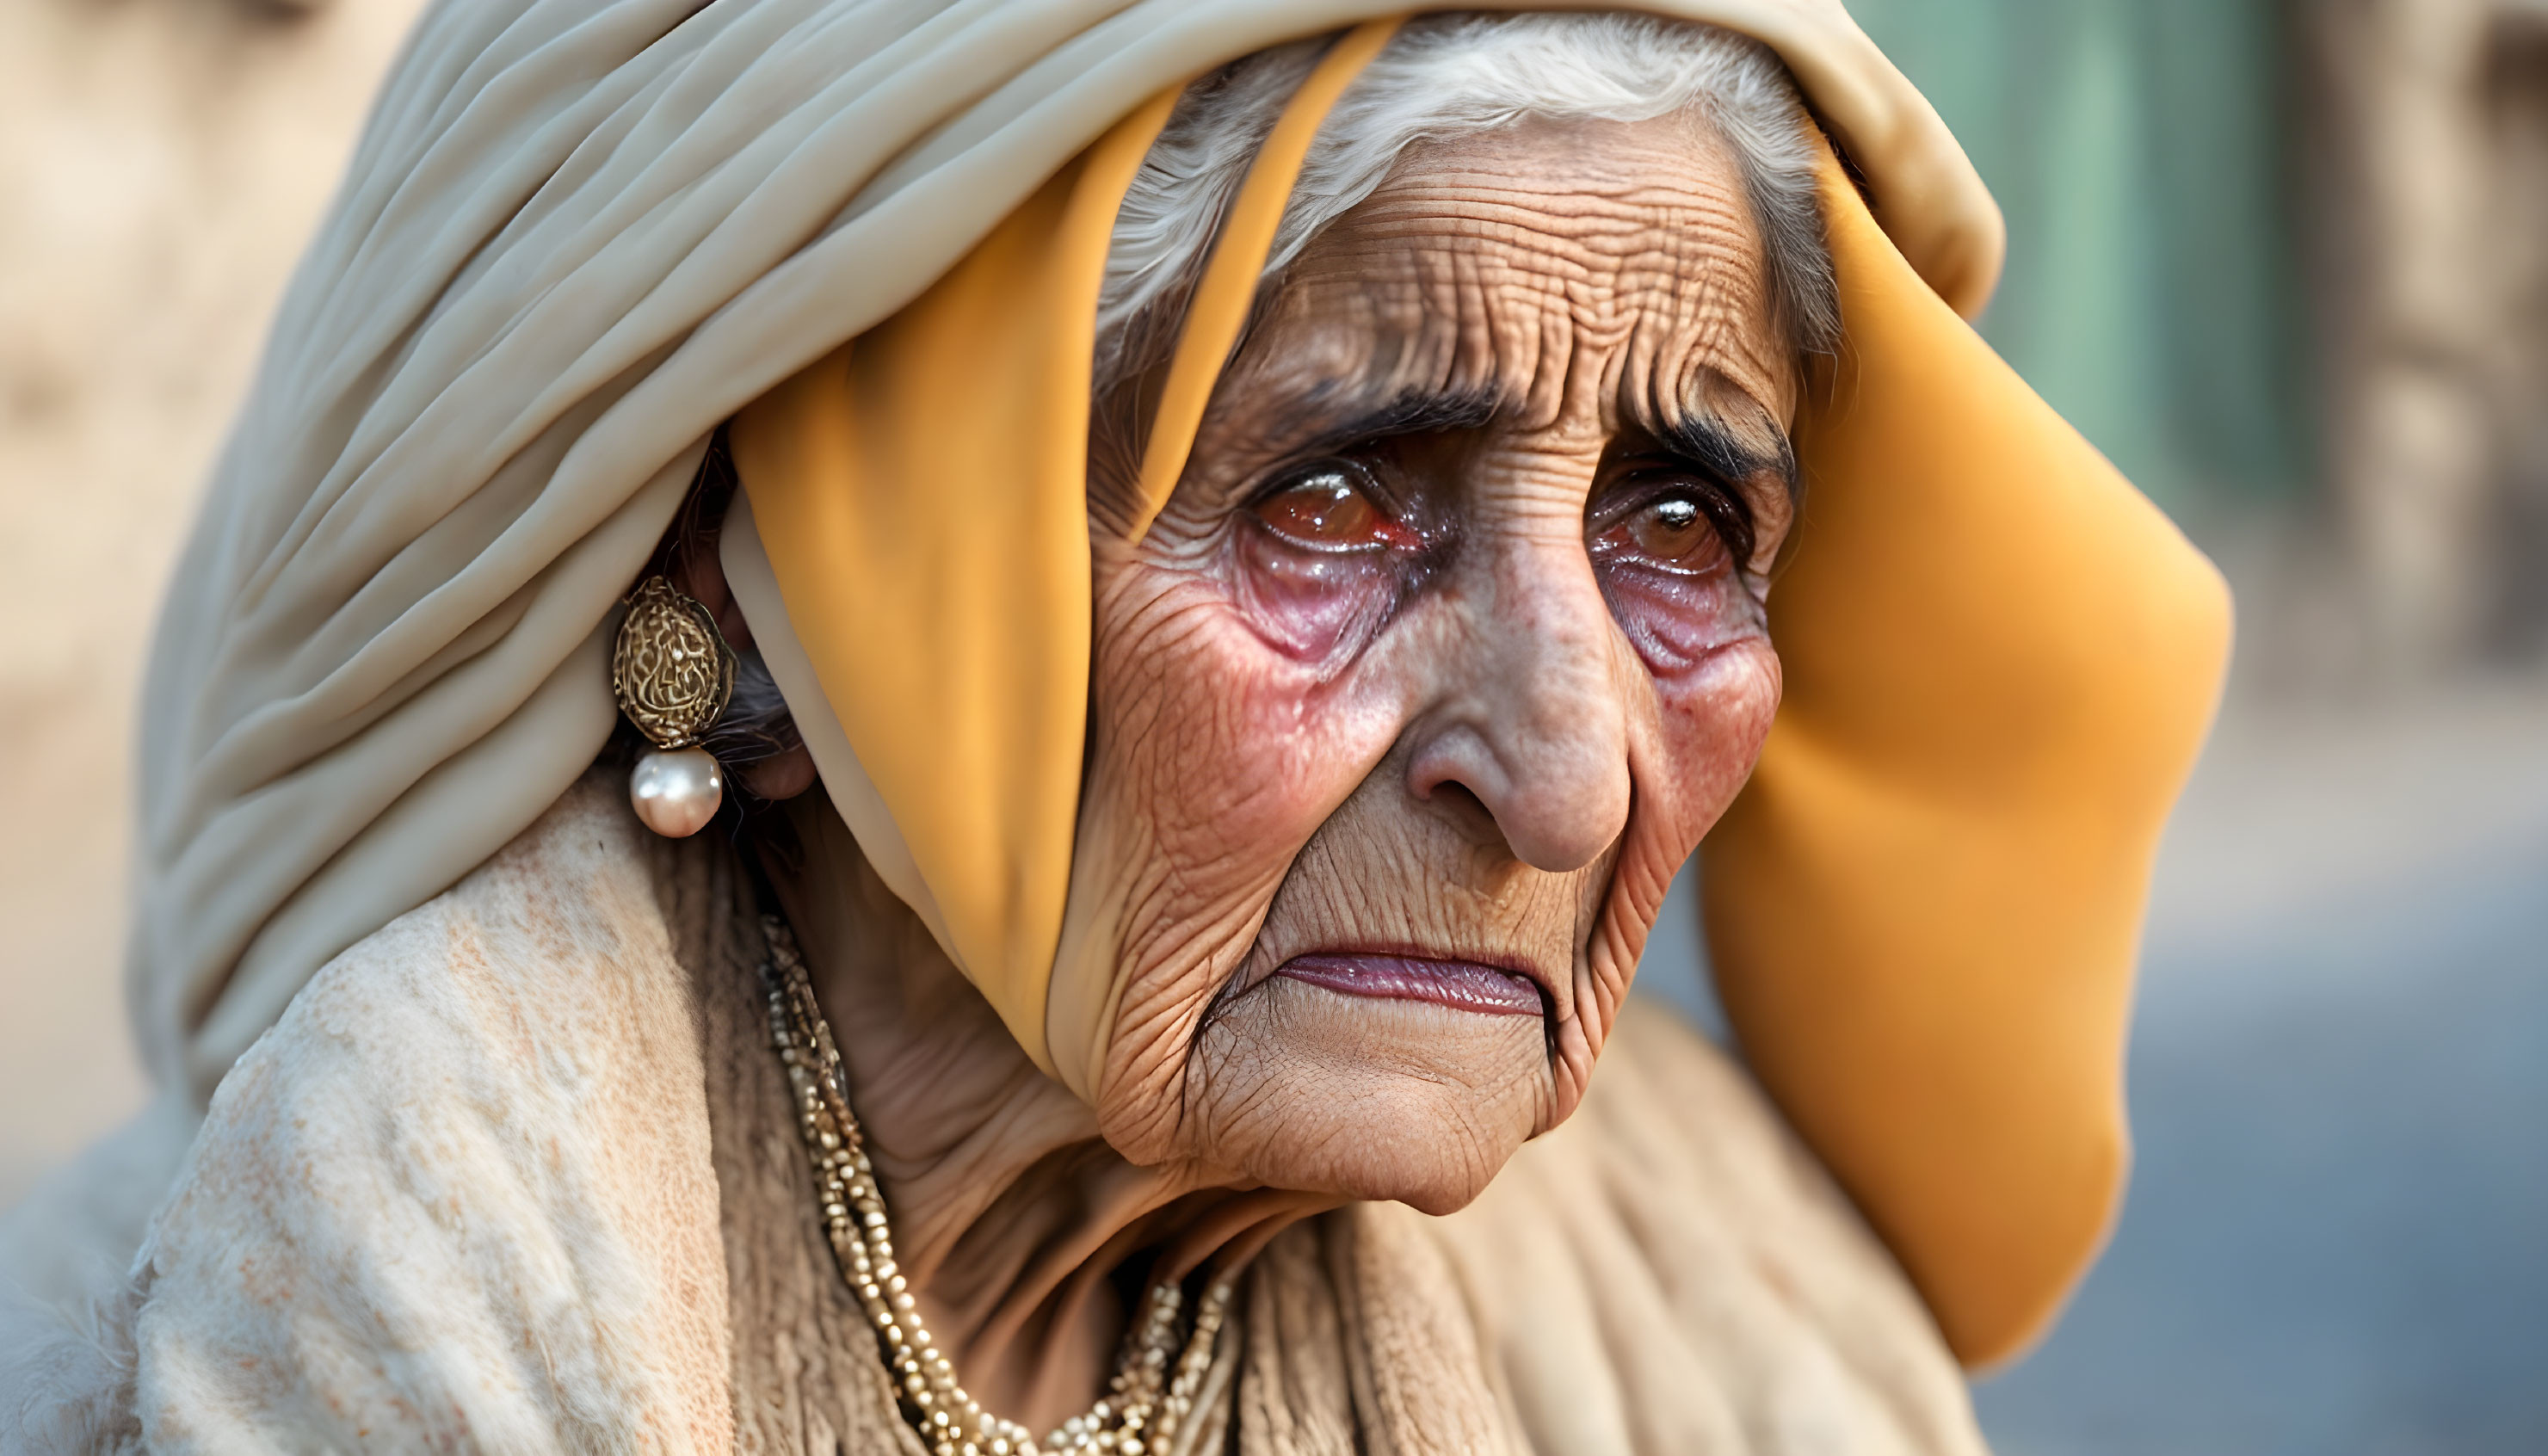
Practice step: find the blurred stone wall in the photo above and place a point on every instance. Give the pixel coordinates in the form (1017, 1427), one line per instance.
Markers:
(160, 162)
(2286, 263)
(2140, 151)
(2427, 127)
(2517, 91)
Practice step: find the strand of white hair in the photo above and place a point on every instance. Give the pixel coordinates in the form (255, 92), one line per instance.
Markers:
(1442, 77)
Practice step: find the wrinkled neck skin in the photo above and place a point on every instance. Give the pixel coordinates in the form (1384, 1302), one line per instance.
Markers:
(1027, 1237)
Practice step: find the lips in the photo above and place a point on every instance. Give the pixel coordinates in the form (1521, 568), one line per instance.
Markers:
(1462, 985)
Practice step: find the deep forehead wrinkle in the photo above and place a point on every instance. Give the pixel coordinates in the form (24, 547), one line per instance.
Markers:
(1603, 235)
(1645, 303)
(1467, 302)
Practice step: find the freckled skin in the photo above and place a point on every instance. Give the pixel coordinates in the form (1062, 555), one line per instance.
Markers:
(1472, 690)
(1495, 749)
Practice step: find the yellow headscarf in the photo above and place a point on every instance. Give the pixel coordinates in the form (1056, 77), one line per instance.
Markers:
(1924, 911)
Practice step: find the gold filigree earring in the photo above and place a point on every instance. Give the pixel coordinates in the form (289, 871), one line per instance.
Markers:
(673, 673)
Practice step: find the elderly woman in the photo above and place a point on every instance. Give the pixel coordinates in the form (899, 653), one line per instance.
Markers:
(1208, 571)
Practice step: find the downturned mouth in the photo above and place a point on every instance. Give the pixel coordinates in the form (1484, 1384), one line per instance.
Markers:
(1462, 985)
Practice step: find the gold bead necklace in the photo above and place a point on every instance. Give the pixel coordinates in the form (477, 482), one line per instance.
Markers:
(1153, 1389)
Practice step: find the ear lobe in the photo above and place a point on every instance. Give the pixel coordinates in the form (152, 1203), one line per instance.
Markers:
(688, 554)
(695, 569)
(690, 558)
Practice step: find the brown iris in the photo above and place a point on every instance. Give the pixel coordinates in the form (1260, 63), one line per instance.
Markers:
(1672, 532)
(1326, 508)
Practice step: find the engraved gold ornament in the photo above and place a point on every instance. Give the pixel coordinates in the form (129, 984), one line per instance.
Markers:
(671, 672)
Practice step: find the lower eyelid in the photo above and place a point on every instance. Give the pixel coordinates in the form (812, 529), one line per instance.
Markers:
(1312, 604)
(1323, 548)
(1602, 549)
(1659, 568)
(1289, 543)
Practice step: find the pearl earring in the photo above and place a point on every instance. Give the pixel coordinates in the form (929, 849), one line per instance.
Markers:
(671, 673)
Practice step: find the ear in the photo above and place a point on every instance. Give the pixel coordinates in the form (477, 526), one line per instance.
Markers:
(692, 565)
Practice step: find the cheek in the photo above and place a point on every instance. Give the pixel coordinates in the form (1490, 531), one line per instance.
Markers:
(1223, 742)
(1706, 735)
(1710, 723)
(1216, 755)
(1704, 639)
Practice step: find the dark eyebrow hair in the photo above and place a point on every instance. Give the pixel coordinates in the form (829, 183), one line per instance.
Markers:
(1705, 441)
(1700, 439)
(1414, 412)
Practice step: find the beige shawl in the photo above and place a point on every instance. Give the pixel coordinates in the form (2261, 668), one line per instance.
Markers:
(518, 1173)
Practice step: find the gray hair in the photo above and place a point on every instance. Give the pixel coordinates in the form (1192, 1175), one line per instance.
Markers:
(1445, 76)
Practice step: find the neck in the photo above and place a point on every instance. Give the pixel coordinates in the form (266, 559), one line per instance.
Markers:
(1026, 1236)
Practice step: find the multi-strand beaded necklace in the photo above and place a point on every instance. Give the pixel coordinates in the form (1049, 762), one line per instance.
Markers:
(1153, 1389)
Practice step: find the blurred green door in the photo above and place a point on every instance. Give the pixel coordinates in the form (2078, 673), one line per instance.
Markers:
(2141, 150)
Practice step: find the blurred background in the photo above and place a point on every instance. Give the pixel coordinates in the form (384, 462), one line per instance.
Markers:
(2286, 263)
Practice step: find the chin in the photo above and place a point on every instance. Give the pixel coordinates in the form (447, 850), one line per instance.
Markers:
(1304, 1088)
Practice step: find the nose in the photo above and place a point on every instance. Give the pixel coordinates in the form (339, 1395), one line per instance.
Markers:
(1530, 718)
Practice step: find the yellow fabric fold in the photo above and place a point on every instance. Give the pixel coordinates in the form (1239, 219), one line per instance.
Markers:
(2000, 660)
(1227, 292)
(1924, 911)
(922, 494)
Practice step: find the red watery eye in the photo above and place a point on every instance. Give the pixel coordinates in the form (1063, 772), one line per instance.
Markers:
(1322, 561)
(1672, 533)
(1671, 584)
(1326, 510)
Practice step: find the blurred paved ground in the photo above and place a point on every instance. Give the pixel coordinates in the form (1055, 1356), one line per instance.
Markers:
(2336, 1241)
(2336, 1238)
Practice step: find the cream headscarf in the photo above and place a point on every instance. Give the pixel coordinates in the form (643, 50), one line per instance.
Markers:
(572, 242)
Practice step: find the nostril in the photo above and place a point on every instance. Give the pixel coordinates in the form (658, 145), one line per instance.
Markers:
(1452, 794)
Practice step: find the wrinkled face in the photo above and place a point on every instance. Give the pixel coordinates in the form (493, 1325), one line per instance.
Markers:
(1445, 653)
